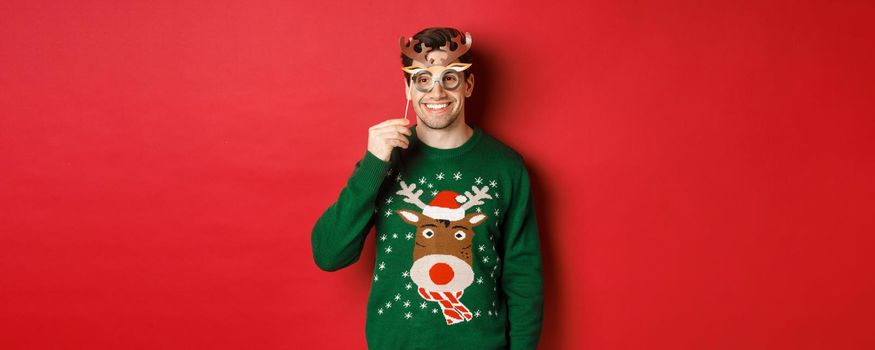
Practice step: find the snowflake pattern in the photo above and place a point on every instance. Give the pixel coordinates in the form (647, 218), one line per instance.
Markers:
(408, 297)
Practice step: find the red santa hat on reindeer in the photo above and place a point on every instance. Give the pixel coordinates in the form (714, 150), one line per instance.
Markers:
(446, 206)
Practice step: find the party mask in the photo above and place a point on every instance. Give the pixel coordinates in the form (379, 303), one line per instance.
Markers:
(436, 69)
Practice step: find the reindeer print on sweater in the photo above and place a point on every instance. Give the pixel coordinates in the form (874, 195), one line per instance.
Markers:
(443, 246)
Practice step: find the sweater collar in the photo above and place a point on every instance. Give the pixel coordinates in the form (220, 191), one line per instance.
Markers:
(442, 153)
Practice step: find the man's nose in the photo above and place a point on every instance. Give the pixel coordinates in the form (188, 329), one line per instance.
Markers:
(437, 91)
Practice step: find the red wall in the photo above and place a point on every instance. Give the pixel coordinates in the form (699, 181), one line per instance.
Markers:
(702, 170)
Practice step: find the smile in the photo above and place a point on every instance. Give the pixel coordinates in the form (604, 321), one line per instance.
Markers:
(437, 107)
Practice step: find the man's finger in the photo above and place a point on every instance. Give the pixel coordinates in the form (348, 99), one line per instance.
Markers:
(392, 128)
(399, 121)
(391, 134)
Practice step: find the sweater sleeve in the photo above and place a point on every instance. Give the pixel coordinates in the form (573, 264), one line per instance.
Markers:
(522, 281)
(339, 234)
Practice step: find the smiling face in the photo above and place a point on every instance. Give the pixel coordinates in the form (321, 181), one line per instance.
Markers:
(443, 105)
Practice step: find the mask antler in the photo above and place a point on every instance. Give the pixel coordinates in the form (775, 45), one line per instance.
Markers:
(460, 50)
(407, 49)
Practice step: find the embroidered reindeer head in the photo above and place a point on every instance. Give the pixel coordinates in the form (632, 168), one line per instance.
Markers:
(442, 253)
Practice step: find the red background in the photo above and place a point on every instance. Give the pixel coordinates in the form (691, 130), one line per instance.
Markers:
(702, 170)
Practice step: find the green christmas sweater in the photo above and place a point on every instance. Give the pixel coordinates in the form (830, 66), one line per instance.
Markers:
(458, 261)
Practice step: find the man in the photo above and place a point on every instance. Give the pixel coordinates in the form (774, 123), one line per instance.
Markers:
(458, 260)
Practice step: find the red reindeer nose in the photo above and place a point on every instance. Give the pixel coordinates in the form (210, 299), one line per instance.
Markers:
(441, 273)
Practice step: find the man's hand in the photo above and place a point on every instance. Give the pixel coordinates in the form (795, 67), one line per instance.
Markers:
(387, 135)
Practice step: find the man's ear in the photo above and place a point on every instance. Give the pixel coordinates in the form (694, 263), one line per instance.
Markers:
(470, 86)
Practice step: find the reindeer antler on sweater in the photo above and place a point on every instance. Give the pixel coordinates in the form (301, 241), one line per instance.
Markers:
(411, 195)
(475, 199)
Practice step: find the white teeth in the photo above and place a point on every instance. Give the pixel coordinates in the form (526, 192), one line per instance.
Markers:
(437, 106)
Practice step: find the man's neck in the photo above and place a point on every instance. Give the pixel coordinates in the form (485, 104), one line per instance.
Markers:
(450, 137)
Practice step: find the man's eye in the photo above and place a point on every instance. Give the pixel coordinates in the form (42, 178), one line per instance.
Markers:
(450, 78)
